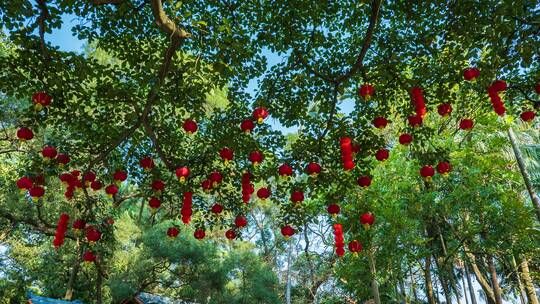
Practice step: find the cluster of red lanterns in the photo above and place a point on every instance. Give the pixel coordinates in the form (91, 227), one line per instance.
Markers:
(339, 240)
(187, 205)
(61, 229)
(41, 100)
(247, 187)
(493, 92)
(443, 168)
(347, 153)
(33, 185)
(417, 98)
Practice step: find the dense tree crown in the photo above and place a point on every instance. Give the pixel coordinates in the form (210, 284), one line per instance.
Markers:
(269, 151)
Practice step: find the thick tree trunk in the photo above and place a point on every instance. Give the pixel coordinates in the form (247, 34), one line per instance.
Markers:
(471, 287)
(427, 278)
(374, 284)
(526, 178)
(494, 280)
(480, 277)
(464, 285)
(73, 274)
(529, 286)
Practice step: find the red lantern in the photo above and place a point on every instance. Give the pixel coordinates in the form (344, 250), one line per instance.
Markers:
(199, 234)
(206, 185)
(62, 159)
(61, 229)
(366, 91)
(313, 169)
(367, 220)
(217, 208)
(380, 122)
(79, 225)
(355, 247)
(444, 168)
(287, 231)
(89, 177)
(89, 257)
(415, 121)
(25, 134)
(405, 139)
(24, 183)
(111, 190)
(247, 126)
(333, 209)
(527, 116)
(48, 152)
(297, 197)
(466, 124)
(96, 185)
(240, 221)
(499, 86)
(444, 109)
(40, 100)
(154, 204)
(186, 207)
(172, 232)
(147, 163)
(382, 155)
(230, 234)
(226, 154)
(285, 170)
(190, 126)
(36, 192)
(339, 240)
(364, 181)
(471, 73)
(182, 174)
(537, 88)
(158, 185)
(92, 235)
(256, 157)
(427, 172)
(119, 176)
(263, 193)
(216, 178)
(260, 114)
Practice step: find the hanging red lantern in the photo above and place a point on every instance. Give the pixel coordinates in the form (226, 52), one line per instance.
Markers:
(297, 197)
(187, 204)
(88, 178)
(380, 122)
(367, 220)
(260, 114)
(96, 185)
(415, 121)
(285, 170)
(247, 126)
(48, 152)
(89, 257)
(62, 159)
(333, 209)
(226, 154)
(190, 126)
(405, 139)
(111, 190)
(172, 232)
(382, 155)
(355, 247)
(119, 176)
(240, 221)
(287, 231)
(79, 225)
(313, 169)
(217, 208)
(41, 100)
(36, 192)
(471, 74)
(347, 153)
(247, 187)
(154, 204)
(466, 124)
(339, 240)
(199, 234)
(364, 181)
(427, 172)
(230, 234)
(147, 163)
(206, 185)
(182, 174)
(92, 235)
(61, 229)
(256, 157)
(366, 91)
(444, 168)
(158, 186)
(263, 193)
(25, 134)
(528, 116)
(537, 88)
(444, 109)
(216, 178)
(24, 183)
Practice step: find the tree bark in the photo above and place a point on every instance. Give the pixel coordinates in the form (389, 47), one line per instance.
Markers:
(520, 284)
(464, 285)
(427, 278)
(529, 286)
(288, 284)
(73, 274)
(469, 282)
(480, 277)
(494, 280)
(526, 178)
(374, 284)
(443, 281)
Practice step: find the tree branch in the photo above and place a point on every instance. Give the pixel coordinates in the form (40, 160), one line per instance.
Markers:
(165, 23)
(375, 8)
(150, 132)
(44, 14)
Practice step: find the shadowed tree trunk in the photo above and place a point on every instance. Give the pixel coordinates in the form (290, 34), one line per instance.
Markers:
(73, 274)
(464, 285)
(520, 284)
(427, 278)
(374, 284)
(469, 282)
